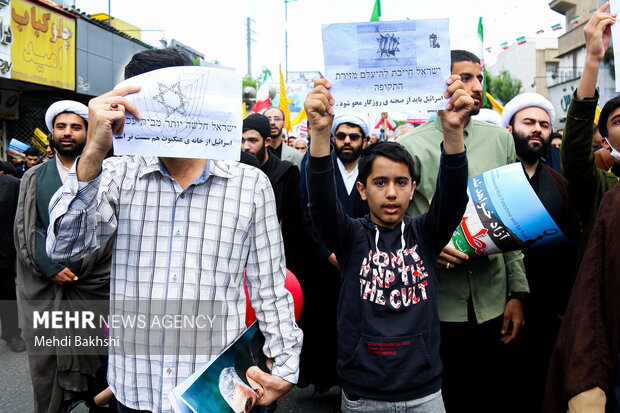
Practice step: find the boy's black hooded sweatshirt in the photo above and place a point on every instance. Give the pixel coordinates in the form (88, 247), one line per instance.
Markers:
(388, 325)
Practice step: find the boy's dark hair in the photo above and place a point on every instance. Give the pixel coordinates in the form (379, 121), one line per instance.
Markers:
(609, 107)
(8, 168)
(32, 151)
(152, 59)
(462, 56)
(391, 150)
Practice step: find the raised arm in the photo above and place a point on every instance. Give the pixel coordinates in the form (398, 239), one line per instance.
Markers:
(586, 182)
(320, 116)
(597, 34)
(328, 216)
(450, 199)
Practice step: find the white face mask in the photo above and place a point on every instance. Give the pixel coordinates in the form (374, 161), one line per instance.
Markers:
(614, 152)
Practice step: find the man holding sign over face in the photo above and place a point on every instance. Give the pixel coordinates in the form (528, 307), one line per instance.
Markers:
(185, 229)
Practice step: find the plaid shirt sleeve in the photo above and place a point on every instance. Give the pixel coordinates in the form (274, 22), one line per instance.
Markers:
(82, 215)
(265, 272)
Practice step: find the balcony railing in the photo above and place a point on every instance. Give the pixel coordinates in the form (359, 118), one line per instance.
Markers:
(563, 75)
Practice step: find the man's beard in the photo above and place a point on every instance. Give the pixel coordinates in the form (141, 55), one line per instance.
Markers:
(525, 151)
(476, 109)
(260, 154)
(277, 134)
(348, 157)
(72, 151)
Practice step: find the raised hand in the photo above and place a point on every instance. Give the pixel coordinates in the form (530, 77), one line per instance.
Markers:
(106, 117)
(456, 115)
(319, 111)
(597, 32)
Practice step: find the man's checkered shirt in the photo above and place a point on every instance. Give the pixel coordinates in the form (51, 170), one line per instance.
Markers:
(175, 244)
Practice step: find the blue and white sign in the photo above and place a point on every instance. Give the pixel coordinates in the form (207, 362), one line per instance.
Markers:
(387, 66)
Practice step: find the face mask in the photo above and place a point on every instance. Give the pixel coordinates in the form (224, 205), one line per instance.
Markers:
(614, 152)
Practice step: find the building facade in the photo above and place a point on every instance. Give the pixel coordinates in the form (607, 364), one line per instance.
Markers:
(571, 55)
(533, 63)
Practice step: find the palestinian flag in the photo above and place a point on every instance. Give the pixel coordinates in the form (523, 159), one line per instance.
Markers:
(556, 27)
(521, 40)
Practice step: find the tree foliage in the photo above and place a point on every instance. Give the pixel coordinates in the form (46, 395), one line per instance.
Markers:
(249, 81)
(503, 87)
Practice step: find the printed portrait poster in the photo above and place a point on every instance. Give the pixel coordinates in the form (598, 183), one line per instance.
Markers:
(221, 385)
(504, 214)
(43, 49)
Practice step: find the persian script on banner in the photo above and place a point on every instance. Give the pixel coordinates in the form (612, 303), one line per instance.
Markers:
(186, 111)
(503, 214)
(387, 66)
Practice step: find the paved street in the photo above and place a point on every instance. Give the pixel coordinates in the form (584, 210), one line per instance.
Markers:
(16, 390)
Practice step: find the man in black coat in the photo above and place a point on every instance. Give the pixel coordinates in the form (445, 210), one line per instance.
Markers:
(9, 193)
(284, 178)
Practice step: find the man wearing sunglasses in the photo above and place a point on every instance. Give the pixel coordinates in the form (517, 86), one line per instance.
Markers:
(276, 124)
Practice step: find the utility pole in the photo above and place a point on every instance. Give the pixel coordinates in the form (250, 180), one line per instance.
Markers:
(286, 2)
(249, 40)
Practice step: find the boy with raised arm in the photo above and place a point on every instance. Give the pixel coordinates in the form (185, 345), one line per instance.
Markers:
(387, 313)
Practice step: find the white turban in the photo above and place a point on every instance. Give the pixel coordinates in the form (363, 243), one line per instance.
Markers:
(488, 116)
(354, 119)
(64, 106)
(526, 100)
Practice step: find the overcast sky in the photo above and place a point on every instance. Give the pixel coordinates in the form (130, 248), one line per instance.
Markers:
(218, 28)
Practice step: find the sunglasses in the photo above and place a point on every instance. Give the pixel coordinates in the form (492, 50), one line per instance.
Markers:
(353, 136)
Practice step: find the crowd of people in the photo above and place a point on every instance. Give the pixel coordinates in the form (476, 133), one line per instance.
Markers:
(393, 315)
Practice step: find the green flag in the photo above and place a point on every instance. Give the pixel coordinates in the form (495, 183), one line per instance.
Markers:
(482, 68)
(376, 12)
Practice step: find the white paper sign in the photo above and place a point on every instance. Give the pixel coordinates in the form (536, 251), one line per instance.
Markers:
(614, 7)
(187, 112)
(387, 66)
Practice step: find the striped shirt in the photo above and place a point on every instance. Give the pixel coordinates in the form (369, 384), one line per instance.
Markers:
(178, 245)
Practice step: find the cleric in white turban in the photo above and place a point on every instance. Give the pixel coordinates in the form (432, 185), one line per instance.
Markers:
(526, 100)
(64, 106)
(352, 119)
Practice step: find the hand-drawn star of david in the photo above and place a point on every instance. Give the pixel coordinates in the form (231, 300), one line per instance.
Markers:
(164, 91)
(388, 45)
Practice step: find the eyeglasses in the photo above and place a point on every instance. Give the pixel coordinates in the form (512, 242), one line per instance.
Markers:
(275, 118)
(353, 136)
